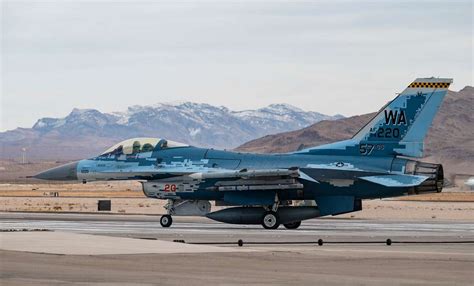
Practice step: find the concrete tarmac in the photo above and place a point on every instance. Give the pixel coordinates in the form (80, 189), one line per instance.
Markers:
(433, 252)
(86, 244)
(198, 229)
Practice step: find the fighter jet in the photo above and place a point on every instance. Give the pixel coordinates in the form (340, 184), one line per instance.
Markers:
(379, 161)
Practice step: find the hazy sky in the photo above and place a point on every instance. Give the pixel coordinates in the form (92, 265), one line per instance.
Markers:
(331, 57)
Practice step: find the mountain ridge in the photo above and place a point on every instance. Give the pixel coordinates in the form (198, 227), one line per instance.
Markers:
(85, 132)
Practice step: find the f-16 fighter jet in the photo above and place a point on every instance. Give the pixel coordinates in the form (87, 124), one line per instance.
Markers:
(273, 189)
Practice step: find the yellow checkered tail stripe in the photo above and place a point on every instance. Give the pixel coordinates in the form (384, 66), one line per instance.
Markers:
(429, 85)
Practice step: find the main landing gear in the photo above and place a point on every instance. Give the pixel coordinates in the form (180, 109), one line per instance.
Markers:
(166, 221)
(270, 217)
(270, 220)
(292, 225)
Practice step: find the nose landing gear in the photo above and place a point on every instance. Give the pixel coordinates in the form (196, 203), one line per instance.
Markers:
(184, 208)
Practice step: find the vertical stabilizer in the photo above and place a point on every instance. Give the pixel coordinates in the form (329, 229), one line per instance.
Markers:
(400, 127)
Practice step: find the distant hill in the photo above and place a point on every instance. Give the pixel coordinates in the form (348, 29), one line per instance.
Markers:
(86, 132)
(450, 139)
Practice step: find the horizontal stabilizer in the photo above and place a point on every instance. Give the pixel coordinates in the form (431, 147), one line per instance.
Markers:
(396, 180)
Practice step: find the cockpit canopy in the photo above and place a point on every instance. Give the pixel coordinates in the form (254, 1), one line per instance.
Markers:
(141, 145)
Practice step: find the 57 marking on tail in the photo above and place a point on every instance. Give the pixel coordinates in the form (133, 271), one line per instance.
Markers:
(366, 149)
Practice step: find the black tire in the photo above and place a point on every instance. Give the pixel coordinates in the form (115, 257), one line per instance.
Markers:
(292, 225)
(166, 221)
(270, 220)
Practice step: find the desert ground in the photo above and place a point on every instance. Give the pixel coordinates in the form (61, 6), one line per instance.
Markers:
(127, 198)
(21, 194)
(53, 233)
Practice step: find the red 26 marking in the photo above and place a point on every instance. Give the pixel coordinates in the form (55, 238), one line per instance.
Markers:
(170, 188)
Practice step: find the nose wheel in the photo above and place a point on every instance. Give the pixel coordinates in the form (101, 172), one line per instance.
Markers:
(166, 221)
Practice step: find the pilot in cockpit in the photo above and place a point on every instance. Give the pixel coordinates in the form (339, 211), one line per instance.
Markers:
(136, 147)
(147, 147)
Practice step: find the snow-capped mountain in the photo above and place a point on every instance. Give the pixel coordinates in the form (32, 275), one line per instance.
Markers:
(85, 132)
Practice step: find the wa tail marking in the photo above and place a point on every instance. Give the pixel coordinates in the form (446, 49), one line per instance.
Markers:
(395, 117)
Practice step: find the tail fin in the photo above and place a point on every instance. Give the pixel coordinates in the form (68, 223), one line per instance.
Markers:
(400, 127)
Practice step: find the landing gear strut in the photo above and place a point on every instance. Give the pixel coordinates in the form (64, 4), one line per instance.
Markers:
(270, 219)
(166, 221)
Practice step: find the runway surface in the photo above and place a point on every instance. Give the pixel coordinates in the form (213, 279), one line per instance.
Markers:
(194, 229)
(338, 261)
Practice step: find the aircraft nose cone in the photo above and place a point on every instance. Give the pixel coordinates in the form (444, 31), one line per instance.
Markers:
(67, 172)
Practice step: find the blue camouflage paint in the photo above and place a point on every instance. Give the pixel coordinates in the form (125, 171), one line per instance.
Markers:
(337, 175)
(398, 129)
(396, 180)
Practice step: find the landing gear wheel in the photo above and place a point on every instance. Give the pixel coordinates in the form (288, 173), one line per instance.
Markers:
(166, 221)
(270, 220)
(292, 225)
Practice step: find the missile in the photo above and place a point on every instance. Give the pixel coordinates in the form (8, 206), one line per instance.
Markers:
(254, 215)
